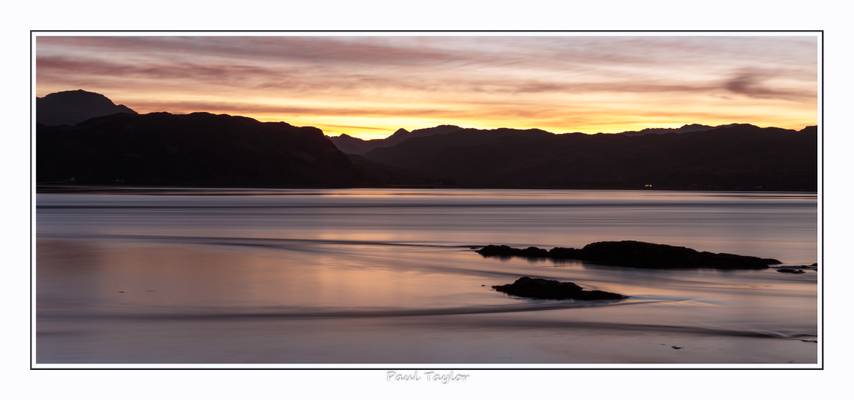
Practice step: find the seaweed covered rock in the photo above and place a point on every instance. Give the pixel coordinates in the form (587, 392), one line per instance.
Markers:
(629, 253)
(536, 288)
(503, 251)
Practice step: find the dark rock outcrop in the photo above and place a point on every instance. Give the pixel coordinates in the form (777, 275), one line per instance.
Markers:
(650, 255)
(630, 253)
(503, 251)
(797, 269)
(548, 289)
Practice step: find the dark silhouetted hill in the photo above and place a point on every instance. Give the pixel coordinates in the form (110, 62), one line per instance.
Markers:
(665, 131)
(730, 157)
(353, 145)
(75, 106)
(197, 149)
(202, 149)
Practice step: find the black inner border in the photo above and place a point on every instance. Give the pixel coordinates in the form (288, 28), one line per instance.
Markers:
(33, 33)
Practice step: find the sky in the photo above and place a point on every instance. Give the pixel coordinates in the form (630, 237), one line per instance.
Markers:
(369, 86)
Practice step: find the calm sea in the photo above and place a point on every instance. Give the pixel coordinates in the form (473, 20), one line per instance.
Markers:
(388, 276)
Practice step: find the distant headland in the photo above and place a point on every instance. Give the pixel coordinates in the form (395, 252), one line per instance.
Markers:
(83, 138)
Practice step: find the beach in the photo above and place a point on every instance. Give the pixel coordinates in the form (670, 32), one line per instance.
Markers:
(159, 275)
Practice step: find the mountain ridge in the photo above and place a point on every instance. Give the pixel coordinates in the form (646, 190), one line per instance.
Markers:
(732, 157)
(353, 145)
(71, 107)
(188, 149)
(223, 150)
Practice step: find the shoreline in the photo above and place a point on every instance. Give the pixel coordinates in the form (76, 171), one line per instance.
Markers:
(57, 188)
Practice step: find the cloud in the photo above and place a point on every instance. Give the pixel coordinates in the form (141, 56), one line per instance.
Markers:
(311, 50)
(125, 70)
(295, 79)
(352, 82)
(755, 83)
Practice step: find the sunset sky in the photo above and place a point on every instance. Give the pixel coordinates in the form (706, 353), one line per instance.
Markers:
(371, 86)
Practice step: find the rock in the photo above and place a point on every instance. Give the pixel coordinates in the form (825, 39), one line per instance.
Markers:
(503, 251)
(536, 288)
(650, 255)
(630, 253)
(564, 253)
(790, 270)
(534, 252)
(497, 251)
(797, 267)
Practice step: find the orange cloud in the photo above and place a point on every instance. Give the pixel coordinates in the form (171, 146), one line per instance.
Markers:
(370, 86)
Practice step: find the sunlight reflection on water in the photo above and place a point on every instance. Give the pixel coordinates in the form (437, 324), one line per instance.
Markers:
(371, 275)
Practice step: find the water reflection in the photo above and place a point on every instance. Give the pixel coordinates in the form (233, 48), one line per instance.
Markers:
(384, 276)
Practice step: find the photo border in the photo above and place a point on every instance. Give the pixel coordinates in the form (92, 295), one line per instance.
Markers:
(819, 365)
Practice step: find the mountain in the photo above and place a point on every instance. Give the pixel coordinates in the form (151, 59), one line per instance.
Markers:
(202, 149)
(730, 157)
(198, 149)
(75, 106)
(666, 131)
(353, 145)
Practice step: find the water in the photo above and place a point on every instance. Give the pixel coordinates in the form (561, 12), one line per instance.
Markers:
(386, 276)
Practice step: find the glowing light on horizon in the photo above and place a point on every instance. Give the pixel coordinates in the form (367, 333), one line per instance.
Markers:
(371, 86)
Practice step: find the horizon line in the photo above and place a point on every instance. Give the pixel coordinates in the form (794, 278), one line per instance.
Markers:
(390, 132)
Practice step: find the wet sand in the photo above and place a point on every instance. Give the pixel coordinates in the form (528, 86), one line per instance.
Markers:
(385, 276)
